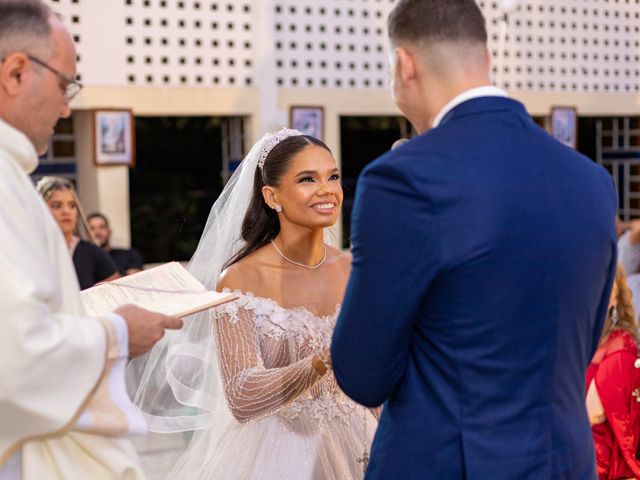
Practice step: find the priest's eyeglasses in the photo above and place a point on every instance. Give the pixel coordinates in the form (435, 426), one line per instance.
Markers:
(72, 87)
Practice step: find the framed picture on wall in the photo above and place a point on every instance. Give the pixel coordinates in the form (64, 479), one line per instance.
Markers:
(113, 135)
(309, 120)
(564, 125)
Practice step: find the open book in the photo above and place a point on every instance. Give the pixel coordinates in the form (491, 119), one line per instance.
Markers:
(168, 289)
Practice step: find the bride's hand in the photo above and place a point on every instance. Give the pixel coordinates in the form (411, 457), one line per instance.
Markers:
(322, 363)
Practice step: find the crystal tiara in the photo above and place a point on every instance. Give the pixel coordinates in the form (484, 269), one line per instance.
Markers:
(274, 139)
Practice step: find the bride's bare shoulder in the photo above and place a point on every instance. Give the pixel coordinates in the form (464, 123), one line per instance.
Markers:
(341, 257)
(243, 275)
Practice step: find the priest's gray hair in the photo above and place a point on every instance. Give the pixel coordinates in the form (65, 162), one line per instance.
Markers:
(24, 27)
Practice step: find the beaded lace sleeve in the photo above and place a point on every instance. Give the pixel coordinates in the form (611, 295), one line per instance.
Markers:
(253, 390)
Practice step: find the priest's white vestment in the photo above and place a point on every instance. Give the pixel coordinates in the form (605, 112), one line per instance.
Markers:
(63, 406)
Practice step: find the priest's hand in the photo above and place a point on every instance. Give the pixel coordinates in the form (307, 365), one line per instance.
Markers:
(145, 327)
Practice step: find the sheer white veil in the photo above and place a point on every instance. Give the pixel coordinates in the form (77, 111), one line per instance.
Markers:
(177, 385)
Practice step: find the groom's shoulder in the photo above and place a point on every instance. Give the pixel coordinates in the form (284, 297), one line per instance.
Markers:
(421, 155)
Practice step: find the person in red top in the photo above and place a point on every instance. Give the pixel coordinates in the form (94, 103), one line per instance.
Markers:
(613, 389)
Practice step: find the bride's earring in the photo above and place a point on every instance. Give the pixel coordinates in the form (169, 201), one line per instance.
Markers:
(278, 208)
(614, 315)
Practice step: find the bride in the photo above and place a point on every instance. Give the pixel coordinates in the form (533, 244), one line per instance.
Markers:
(247, 390)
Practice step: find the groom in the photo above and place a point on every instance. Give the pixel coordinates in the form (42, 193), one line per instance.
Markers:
(483, 258)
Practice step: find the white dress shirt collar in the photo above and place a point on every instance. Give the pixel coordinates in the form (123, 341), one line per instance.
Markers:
(487, 91)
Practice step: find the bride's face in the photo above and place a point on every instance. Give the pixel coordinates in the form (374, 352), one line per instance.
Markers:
(310, 191)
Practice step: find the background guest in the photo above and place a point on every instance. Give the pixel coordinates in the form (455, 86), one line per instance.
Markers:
(127, 260)
(629, 246)
(613, 389)
(91, 263)
(629, 256)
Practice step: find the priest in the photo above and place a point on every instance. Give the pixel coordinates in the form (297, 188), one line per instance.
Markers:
(63, 407)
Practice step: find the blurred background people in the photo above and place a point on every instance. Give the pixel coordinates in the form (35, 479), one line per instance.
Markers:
(629, 256)
(613, 389)
(92, 264)
(127, 260)
(629, 245)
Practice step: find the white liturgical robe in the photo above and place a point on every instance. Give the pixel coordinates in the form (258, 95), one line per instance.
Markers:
(63, 406)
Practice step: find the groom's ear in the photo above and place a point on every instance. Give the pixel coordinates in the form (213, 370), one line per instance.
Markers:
(270, 196)
(405, 64)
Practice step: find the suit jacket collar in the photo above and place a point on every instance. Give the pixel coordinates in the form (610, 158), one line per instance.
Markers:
(483, 105)
(485, 91)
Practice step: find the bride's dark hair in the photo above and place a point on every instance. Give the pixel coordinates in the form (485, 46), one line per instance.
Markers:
(261, 224)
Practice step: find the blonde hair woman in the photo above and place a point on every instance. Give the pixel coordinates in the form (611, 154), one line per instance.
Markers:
(92, 264)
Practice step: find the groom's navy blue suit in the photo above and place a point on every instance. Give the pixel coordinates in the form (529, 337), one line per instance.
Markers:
(483, 258)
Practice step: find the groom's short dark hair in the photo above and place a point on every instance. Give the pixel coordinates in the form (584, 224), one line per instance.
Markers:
(436, 21)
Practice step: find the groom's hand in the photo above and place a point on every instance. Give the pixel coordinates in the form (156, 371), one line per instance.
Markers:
(145, 327)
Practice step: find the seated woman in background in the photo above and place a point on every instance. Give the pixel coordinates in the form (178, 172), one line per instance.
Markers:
(613, 389)
(92, 264)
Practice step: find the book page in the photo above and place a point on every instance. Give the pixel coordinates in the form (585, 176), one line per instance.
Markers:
(168, 289)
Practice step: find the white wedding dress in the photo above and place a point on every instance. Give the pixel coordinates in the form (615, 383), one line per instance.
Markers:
(289, 423)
